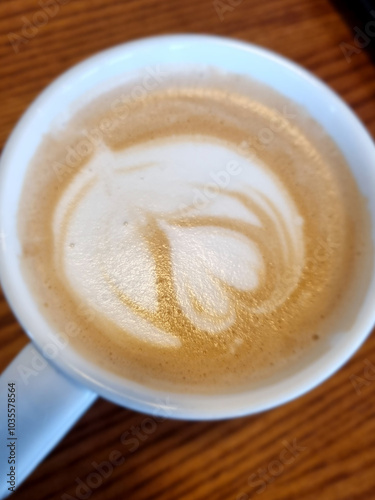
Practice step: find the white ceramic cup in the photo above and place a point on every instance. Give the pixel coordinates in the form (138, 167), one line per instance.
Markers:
(52, 395)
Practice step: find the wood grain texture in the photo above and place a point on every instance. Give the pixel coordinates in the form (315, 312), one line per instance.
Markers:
(192, 460)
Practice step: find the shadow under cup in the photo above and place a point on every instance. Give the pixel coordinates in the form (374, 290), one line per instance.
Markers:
(106, 70)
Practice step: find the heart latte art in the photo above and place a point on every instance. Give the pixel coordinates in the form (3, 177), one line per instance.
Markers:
(160, 260)
(196, 236)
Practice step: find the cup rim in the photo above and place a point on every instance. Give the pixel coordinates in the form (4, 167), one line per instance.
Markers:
(115, 388)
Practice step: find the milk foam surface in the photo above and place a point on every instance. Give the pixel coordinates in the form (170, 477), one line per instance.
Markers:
(176, 248)
(101, 224)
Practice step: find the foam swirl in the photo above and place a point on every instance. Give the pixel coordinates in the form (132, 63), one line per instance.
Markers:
(173, 243)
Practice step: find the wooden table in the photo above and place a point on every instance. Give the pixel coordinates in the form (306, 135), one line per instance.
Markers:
(332, 427)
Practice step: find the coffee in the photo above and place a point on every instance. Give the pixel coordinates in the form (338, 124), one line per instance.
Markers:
(198, 235)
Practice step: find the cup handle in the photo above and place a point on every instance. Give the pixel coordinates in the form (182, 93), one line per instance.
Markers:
(47, 404)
